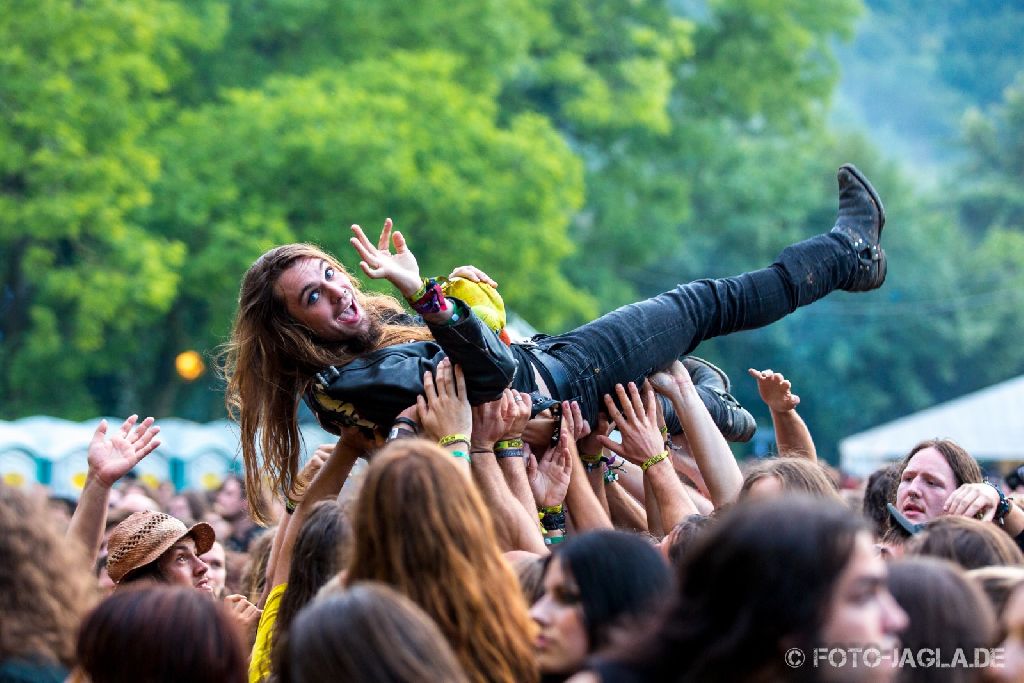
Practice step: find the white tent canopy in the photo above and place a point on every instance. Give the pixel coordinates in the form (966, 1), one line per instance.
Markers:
(989, 423)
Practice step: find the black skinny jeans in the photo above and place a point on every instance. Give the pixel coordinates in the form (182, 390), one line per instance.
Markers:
(631, 342)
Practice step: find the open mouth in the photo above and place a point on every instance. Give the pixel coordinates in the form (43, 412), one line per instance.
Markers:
(350, 313)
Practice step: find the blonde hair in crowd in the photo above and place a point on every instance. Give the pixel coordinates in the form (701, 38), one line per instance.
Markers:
(270, 360)
(421, 527)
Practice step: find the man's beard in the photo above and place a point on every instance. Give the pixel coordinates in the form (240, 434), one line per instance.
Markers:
(366, 340)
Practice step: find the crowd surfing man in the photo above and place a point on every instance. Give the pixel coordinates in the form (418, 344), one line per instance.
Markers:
(305, 329)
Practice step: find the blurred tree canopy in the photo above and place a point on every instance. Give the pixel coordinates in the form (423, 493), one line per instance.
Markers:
(585, 153)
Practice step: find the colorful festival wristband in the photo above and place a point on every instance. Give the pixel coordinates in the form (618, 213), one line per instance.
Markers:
(650, 462)
(429, 298)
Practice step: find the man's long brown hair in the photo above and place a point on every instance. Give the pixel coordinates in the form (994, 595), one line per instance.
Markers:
(270, 360)
(421, 527)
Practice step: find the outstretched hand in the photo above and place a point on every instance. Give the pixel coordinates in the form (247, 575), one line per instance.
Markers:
(110, 459)
(637, 422)
(515, 412)
(549, 478)
(673, 382)
(473, 274)
(775, 390)
(399, 268)
(444, 406)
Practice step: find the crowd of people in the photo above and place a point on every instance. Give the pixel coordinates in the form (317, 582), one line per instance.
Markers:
(561, 508)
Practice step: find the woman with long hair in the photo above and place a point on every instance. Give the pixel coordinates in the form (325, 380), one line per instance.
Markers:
(421, 527)
(596, 586)
(321, 551)
(768, 578)
(304, 328)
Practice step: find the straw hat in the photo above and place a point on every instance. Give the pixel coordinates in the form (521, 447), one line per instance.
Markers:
(147, 535)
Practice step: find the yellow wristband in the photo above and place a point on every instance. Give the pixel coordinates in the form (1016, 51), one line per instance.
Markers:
(419, 292)
(453, 438)
(590, 459)
(506, 444)
(650, 462)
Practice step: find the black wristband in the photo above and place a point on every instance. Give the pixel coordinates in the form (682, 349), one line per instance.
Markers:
(1004, 506)
(402, 420)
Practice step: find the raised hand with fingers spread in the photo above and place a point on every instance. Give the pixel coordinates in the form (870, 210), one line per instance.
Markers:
(549, 477)
(637, 423)
(110, 459)
(399, 268)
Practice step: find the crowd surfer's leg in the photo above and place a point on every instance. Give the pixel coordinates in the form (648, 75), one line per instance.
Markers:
(633, 341)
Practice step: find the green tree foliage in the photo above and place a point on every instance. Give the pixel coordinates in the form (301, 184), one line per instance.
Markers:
(991, 183)
(304, 157)
(80, 86)
(584, 152)
(915, 67)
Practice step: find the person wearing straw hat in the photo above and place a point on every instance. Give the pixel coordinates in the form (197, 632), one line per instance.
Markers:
(153, 546)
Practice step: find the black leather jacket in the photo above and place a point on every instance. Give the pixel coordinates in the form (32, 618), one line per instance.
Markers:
(373, 389)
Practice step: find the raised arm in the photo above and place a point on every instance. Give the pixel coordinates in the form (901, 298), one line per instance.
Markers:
(709, 448)
(304, 478)
(326, 483)
(445, 414)
(792, 437)
(109, 460)
(584, 507)
(517, 529)
(399, 268)
(644, 444)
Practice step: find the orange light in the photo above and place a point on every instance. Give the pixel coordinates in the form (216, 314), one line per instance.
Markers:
(189, 365)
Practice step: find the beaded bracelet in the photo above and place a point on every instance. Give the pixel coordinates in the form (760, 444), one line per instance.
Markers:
(508, 443)
(429, 298)
(654, 460)
(453, 438)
